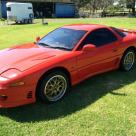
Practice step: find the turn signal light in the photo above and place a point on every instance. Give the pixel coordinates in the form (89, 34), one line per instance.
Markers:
(17, 84)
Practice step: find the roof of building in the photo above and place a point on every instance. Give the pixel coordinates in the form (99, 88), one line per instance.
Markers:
(64, 1)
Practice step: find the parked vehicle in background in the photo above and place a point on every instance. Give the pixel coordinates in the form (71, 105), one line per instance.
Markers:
(20, 12)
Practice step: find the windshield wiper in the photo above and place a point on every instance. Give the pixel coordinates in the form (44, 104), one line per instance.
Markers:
(63, 48)
(43, 44)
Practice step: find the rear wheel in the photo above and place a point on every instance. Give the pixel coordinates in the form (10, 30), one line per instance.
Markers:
(53, 87)
(128, 60)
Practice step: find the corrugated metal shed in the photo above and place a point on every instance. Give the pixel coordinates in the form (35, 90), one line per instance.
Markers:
(3, 9)
(0, 10)
(64, 10)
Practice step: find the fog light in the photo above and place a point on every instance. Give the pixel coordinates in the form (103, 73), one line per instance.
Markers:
(17, 84)
(3, 97)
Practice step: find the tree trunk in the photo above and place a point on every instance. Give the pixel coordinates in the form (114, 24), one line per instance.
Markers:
(133, 11)
(133, 7)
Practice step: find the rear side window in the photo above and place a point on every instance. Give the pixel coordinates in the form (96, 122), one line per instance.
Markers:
(100, 37)
(122, 34)
(8, 8)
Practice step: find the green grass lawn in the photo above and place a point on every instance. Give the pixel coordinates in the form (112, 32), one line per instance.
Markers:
(102, 105)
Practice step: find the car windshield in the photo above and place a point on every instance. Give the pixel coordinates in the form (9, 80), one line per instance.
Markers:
(62, 38)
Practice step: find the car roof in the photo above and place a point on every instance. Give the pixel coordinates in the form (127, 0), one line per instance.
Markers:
(86, 27)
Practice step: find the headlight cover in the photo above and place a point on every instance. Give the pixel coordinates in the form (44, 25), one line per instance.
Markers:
(3, 79)
(11, 73)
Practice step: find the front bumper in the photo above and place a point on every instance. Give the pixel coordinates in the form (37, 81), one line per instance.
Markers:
(16, 96)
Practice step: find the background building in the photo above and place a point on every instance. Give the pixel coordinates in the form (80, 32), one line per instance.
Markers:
(45, 8)
(0, 10)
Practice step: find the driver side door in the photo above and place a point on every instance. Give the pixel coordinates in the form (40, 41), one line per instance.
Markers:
(104, 58)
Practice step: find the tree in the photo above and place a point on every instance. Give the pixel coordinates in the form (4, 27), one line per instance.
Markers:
(94, 5)
(131, 5)
(80, 3)
(105, 4)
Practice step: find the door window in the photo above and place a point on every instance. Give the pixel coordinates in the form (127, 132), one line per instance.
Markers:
(8, 8)
(100, 37)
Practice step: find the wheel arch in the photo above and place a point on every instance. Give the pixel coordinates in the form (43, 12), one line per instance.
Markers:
(62, 69)
(129, 48)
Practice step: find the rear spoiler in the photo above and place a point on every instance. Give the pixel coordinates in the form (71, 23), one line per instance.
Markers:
(127, 30)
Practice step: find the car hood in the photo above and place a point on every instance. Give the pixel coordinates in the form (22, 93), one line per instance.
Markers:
(25, 56)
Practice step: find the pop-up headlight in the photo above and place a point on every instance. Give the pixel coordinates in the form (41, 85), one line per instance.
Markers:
(11, 73)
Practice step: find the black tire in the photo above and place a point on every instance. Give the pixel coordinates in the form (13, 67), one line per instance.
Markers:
(31, 16)
(25, 21)
(123, 65)
(44, 83)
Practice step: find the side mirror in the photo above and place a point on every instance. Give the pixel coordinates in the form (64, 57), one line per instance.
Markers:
(89, 47)
(38, 39)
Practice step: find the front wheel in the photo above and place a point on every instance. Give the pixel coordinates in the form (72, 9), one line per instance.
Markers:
(53, 87)
(128, 60)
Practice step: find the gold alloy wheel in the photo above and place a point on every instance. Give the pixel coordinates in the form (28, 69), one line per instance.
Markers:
(55, 88)
(129, 60)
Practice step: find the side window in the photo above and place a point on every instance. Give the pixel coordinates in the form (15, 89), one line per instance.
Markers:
(100, 37)
(8, 8)
(122, 34)
(29, 7)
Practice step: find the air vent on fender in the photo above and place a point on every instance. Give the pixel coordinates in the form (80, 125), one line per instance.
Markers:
(29, 95)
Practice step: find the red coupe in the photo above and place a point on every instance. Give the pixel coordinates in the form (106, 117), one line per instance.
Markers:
(66, 56)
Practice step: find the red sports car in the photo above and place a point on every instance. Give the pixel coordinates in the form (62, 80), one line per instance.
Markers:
(66, 56)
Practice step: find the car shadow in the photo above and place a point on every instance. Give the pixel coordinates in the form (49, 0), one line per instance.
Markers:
(81, 96)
